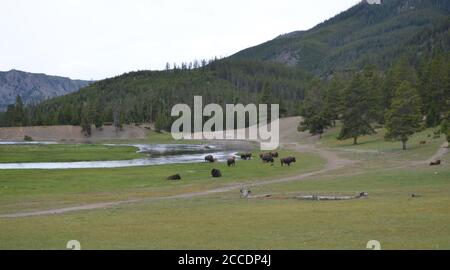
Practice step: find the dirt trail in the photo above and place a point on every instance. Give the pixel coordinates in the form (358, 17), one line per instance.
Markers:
(289, 138)
(288, 141)
(333, 163)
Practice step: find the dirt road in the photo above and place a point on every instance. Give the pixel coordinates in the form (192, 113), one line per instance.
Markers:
(289, 139)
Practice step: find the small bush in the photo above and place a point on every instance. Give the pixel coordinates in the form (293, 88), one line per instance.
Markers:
(27, 138)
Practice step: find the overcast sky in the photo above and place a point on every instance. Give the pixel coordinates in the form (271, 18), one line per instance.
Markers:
(95, 39)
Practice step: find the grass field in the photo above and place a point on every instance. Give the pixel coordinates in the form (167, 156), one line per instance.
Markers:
(389, 215)
(225, 221)
(65, 153)
(37, 189)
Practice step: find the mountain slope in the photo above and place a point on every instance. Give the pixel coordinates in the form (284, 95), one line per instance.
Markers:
(148, 96)
(375, 34)
(34, 87)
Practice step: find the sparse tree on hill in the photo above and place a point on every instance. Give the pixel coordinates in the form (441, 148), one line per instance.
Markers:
(403, 119)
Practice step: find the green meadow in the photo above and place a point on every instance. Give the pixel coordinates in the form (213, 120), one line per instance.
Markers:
(65, 153)
(390, 214)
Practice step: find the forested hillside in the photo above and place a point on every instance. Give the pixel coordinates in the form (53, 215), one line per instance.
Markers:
(364, 34)
(148, 96)
(357, 67)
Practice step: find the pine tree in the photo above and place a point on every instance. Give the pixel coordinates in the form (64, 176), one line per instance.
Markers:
(356, 118)
(316, 117)
(373, 86)
(403, 119)
(399, 72)
(445, 129)
(315, 124)
(434, 89)
(333, 99)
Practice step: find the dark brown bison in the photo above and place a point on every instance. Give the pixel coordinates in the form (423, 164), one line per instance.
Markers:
(231, 161)
(423, 142)
(272, 154)
(209, 158)
(216, 173)
(246, 156)
(435, 163)
(267, 158)
(287, 161)
(174, 177)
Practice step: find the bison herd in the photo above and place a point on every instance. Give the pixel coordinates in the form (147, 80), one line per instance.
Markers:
(268, 157)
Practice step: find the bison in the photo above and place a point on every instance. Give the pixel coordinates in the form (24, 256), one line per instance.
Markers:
(272, 154)
(231, 161)
(246, 156)
(267, 158)
(174, 177)
(209, 158)
(435, 163)
(287, 161)
(423, 142)
(216, 173)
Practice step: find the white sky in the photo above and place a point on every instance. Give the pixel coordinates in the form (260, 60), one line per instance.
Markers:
(95, 39)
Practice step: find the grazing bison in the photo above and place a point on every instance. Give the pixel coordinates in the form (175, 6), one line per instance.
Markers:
(209, 158)
(267, 158)
(272, 154)
(216, 173)
(435, 163)
(246, 156)
(287, 161)
(231, 161)
(423, 142)
(174, 177)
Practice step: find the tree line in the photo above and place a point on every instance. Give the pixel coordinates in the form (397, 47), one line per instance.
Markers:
(148, 96)
(405, 99)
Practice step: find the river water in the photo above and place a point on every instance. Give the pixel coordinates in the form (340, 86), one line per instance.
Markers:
(157, 154)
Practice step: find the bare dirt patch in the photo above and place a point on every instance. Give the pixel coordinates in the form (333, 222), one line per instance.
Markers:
(72, 133)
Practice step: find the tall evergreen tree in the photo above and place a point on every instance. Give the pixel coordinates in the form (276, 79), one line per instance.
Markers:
(333, 99)
(434, 89)
(372, 81)
(314, 110)
(403, 119)
(445, 129)
(356, 118)
(399, 72)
